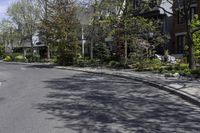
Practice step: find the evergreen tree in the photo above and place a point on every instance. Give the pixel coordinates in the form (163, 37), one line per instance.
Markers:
(60, 26)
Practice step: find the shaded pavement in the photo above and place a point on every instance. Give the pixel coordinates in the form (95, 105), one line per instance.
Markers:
(41, 99)
(90, 103)
(185, 87)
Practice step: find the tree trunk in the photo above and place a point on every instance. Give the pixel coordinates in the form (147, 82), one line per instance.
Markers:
(83, 43)
(91, 49)
(192, 64)
(48, 53)
(125, 43)
(126, 52)
(190, 43)
(32, 48)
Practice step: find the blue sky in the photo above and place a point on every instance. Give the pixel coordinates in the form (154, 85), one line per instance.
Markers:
(4, 4)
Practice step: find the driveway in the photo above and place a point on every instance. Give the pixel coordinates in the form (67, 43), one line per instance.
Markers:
(41, 99)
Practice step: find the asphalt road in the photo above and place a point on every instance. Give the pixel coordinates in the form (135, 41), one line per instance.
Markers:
(40, 99)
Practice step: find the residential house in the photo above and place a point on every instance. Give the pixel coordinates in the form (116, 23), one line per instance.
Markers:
(39, 47)
(156, 10)
(24, 45)
(179, 27)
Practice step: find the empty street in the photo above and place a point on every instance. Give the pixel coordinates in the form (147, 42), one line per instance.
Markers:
(42, 99)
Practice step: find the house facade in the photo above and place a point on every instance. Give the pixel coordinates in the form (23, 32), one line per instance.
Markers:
(156, 10)
(24, 46)
(39, 47)
(179, 27)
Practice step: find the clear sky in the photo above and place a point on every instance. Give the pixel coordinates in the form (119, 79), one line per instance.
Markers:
(4, 4)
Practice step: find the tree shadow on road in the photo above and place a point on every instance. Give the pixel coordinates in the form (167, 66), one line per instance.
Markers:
(1, 99)
(89, 103)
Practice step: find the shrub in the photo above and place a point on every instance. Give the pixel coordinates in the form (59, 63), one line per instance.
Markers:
(155, 64)
(13, 55)
(183, 66)
(113, 64)
(163, 71)
(138, 66)
(1, 50)
(196, 71)
(102, 52)
(148, 65)
(20, 58)
(154, 61)
(170, 67)
(185, 72)
(81, 62)
(36, 58)
(7, 58)
(157, 67)
(33, 58)
(86, 62)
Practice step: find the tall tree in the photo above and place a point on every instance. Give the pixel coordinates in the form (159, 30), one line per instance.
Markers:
(25, 14)
(60, 26)
(9, 34)
(124, 25)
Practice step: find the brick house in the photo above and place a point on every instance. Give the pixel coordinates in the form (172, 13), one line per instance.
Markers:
(179, 28)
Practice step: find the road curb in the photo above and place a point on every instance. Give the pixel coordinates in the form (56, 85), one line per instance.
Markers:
(22, 63)
(186, 96)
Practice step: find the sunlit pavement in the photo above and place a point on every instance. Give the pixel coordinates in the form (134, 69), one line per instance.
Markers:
(37, 99)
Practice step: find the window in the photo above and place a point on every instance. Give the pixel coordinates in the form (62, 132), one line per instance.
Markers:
(193, 11)
(180, 12)
(180, 44)
(180, 17)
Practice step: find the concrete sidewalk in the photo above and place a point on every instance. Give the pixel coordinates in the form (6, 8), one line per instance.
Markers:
(185, 88)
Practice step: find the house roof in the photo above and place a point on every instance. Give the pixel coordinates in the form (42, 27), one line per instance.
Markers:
(162, 9)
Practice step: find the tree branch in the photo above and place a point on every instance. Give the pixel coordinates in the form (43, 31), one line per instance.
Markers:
(170, 2)
(165, 10)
